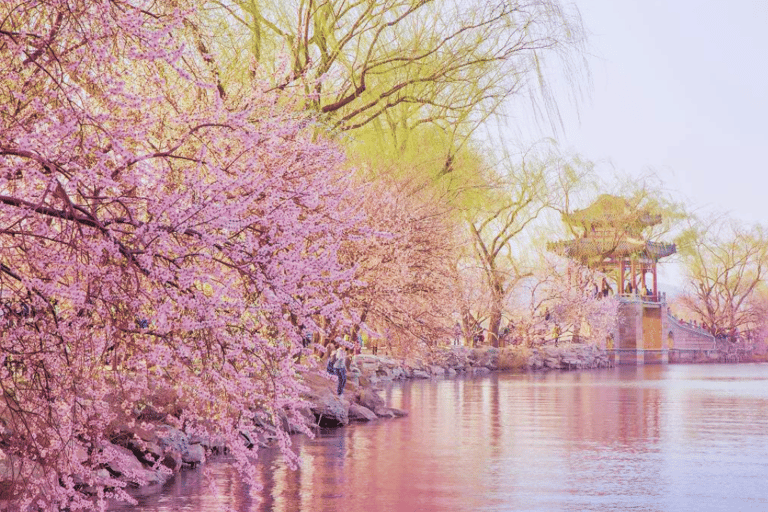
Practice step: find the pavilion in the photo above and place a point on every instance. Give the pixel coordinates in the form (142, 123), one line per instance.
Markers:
(609, 237)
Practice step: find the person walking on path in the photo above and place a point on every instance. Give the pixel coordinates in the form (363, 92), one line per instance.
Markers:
(340, 368)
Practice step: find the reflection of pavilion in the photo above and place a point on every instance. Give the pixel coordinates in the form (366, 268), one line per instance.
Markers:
(609, 238)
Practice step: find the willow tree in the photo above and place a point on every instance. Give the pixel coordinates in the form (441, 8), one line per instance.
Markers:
(498, 218)
(394, 66)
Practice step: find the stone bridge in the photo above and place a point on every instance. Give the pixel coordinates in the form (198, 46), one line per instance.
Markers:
(648, 333)
(689, 343)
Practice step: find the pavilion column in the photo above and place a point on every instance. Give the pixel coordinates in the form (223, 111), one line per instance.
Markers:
(634, 278)
(643, 270)
(655, 287)
(621, 276)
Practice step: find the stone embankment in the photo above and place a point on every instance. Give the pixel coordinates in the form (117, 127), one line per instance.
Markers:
(368, 370)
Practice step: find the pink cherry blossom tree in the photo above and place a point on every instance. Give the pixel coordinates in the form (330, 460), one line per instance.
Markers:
(560, 300)
(160, 239)
(404, 289)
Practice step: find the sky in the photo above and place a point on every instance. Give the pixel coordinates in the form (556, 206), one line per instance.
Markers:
(679, 88)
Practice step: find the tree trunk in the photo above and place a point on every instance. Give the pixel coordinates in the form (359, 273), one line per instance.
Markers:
(468, 324)
(494, 324)
(497, 304)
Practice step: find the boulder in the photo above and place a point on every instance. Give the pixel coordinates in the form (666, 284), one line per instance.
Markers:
(174, 440)
(249, 439)
(420, 374)
(390, 412)
(437, 370)
(171, 460)
(385, 373)
(147, 452)
(369, 399)
(399, 413)
(388, 361)
(149, 413)
(170, 438)
(331, 411)
(358, 412)
(213, 444)
(194, 455)
(15, 472)
(126, 467)
(328, 408)
(365, 359)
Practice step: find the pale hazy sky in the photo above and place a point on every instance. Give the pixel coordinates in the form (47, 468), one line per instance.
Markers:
(680, 87)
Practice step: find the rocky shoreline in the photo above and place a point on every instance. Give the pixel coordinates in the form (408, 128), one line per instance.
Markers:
(361, 402)
(141, 447)
(369, 370)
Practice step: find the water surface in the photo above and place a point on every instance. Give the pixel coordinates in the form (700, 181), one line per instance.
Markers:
(653, 438)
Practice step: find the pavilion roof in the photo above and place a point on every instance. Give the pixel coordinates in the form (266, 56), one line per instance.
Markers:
(587, 249)
(612, 211)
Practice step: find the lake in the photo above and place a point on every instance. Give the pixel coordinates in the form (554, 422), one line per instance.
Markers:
(651, 438)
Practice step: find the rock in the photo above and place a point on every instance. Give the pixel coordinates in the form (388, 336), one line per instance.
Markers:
(365, 359)
(369, 399)
(390, 412)
(147, 452)
(306, 414)
(329, 409)
(358, 412)
(213, 444)
(174, 440)
(420, 374)
(388, 361)
(399, 413)
(15, 472)
(126, 467)
(172, 460)
(194, 455)
(437, 370)
(384, 373)
(249, 440)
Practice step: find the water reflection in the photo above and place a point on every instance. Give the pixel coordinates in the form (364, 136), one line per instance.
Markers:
(647, 438)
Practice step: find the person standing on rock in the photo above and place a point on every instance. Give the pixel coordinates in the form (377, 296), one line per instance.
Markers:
(340, 367)
(330, 350)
